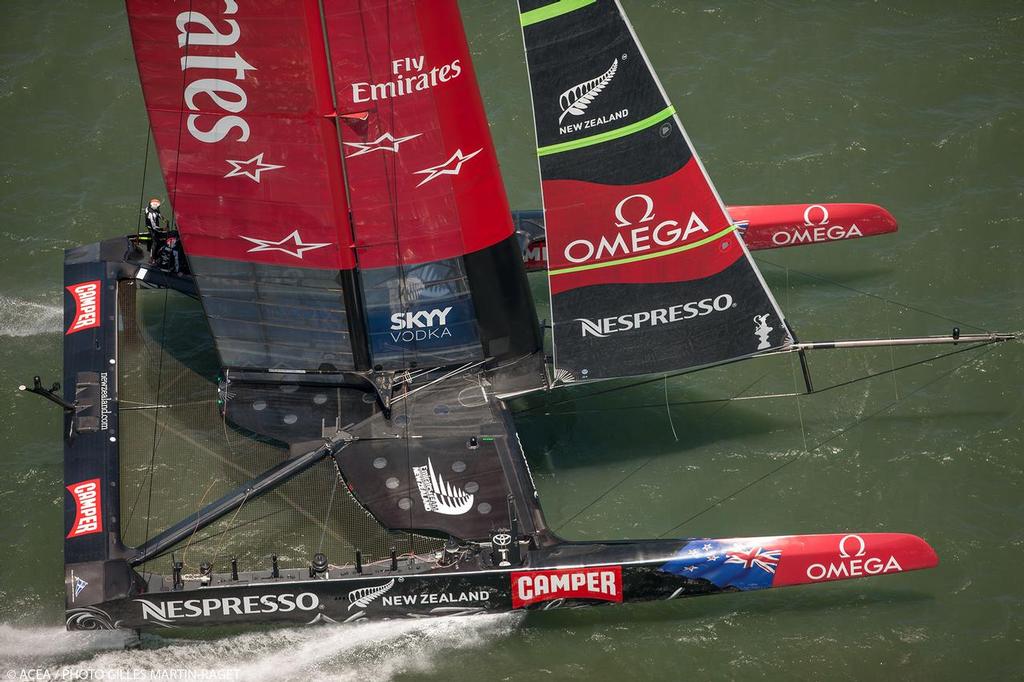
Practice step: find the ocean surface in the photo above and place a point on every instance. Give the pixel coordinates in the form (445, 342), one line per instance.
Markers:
(918, 106)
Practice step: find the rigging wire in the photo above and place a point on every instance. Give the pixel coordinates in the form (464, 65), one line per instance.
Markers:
(799, 406)
(234, 516)
(327, 514)
(548, 404)
(163, 325)
(792, 371)
(131, 511)
(892, 351)
(181, 113)
(229, 529)
(403, 271)
(668, 413)
(795, 394)
(184, 552)
(643, 465)
(907, 306)
(822, 443)
(156, 421)
(142, 187)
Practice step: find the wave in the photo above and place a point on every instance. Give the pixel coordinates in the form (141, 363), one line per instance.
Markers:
(358, 651)
(32, 647)
(20, 318)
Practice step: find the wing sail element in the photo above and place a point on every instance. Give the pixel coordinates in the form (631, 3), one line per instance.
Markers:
(334, 182)
(239, 97)
(441, 279)
(646, 271)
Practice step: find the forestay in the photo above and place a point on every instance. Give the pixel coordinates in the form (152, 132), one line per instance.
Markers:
(646, 270)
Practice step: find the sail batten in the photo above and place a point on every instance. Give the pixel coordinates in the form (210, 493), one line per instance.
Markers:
(646, 270)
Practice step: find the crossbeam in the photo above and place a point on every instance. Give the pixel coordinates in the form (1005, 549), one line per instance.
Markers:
(265, 482)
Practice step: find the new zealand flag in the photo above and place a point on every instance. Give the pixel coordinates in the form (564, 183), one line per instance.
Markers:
(727, 563)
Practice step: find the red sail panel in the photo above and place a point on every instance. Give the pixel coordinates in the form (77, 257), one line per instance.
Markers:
(423, 176)
(670, 229)
(238, 96)
(440, 276)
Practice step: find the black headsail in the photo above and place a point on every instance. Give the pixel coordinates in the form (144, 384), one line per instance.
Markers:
(646, 269)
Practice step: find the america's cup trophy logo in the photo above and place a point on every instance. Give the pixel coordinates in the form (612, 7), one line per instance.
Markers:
(762, 330)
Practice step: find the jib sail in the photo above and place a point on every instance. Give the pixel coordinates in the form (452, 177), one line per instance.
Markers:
(646, 271)
(334, 182)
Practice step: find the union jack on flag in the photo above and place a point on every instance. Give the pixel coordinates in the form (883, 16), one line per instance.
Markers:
(736, 563)
(765, 559)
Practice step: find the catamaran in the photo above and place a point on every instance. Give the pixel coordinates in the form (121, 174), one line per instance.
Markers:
(309, 423)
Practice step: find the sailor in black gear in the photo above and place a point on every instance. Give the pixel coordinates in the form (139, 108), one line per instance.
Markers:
(167, 256)
(157, 233)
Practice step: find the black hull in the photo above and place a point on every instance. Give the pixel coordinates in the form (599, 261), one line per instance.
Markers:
(399, 594)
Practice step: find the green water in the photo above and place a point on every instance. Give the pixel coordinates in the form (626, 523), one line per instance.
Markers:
(918, 107)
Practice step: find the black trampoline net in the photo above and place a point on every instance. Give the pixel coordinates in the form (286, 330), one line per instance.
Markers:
(177, 454)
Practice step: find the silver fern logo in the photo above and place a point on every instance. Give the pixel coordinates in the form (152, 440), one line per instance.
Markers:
(576, 99)
(365, 596)
(438, 494)
(564, 376)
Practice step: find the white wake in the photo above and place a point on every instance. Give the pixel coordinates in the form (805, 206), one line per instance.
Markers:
(26, 318)
(359, 651)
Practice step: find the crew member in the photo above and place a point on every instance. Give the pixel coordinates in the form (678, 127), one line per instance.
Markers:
(168, 254)
(154, 226)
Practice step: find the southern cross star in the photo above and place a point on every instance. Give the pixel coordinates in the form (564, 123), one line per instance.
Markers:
(385, 143)
(251, 168)
(450, 167)
(292, 245)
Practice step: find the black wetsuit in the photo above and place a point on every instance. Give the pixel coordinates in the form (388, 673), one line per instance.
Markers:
(156, 232)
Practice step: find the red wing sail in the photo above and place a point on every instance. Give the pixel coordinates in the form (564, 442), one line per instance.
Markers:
(238, 96)
(246, 119)
(440, 270)
(647, 273)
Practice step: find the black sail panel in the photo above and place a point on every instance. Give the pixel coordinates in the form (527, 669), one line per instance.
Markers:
(647, 272)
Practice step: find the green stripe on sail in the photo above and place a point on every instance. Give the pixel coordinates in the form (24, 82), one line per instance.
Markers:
(652, 120)
(555, 9)
(646, 256)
